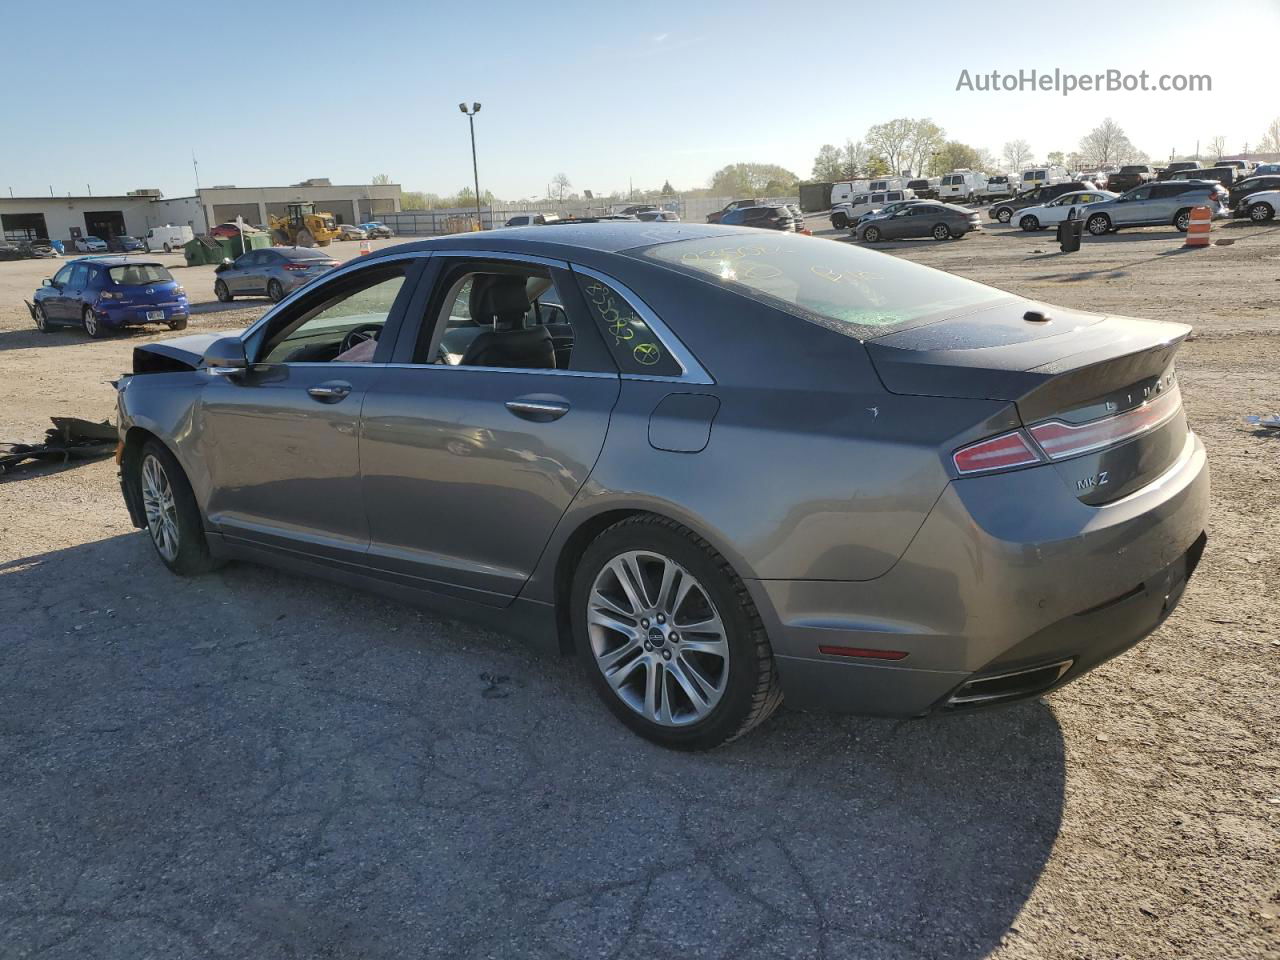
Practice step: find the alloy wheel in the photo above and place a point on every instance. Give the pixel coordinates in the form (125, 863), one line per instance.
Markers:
(1004, 216)
(90, 320)
(1259, 213)
(159, 507)
(657, 638)
(42, 321)
(940, 232)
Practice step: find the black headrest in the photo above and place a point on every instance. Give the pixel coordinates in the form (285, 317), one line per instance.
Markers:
(500, 296)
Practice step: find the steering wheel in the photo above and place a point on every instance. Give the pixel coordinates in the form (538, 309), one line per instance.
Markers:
(366, 331)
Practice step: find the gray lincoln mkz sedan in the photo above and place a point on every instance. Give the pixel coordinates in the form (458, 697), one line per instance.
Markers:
(722, 467)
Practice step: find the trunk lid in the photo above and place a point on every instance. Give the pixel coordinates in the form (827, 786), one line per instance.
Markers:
(1097, 392)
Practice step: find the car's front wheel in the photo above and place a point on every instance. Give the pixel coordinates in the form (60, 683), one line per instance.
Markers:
(1004, 214)
(1099, 224)
(172, 517)
(42, 320)
(1029, 223)
(222, 291)
(670, 636)
(1261, 212)
(871, 235)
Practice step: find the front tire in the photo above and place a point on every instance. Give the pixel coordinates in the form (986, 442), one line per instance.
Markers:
(92, 325)
(275, 292)
(670, 636)
(1261, 212)
(173, 519)
(222, 291)
(42, 320)
(1004, 214)
(871, 235)
(1099, 224)
(1029, 223)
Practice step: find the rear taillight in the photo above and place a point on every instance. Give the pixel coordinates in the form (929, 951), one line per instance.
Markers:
(997, 453)
(296, 266)
(1062, 440)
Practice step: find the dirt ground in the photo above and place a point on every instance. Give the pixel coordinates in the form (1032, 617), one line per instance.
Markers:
(255, 764)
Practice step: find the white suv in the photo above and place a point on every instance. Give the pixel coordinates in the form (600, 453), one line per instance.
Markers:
(860, 204)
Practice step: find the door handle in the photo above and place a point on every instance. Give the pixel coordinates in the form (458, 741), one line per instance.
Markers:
(330, 392)
(540, 411)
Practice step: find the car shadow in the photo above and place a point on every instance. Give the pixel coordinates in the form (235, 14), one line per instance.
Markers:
(66, 336)
(270, 745)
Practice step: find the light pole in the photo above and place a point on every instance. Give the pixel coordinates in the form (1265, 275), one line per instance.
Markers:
(475, 171)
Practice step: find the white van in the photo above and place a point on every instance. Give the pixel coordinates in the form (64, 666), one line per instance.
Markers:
(964, 185)
(1035, 177)
(167, 238)
(887, 183)
(1000, 185)
(841, 192)
(848, 213)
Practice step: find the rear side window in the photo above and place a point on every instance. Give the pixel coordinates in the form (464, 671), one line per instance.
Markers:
(857, 292)
(636, 349)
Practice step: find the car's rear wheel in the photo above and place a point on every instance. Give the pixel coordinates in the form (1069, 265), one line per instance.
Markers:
(941, 231)
(671, 639)
(275, 291)
(41, 319)
(1261, 212)
(222, 291)
(1182, 220)
(840, 221)
(168, 248)
(871, 235)
(1099, 224)
(177, 323)
(1004, 214)
(92, 325)
(1029, 223)
(172, 517)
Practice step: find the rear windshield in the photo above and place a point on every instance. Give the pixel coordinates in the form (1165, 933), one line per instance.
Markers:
(858, 292)
(300, 253)
(133, 274)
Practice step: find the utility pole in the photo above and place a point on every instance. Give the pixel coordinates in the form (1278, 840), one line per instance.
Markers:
(196, 167)
(475, 170)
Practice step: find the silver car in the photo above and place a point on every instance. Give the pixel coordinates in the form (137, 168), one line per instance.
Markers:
(721, 465)
(1164, 202)
(272, 272)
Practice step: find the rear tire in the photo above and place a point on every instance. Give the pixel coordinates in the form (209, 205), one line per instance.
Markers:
(840, 221)
(178, 323)
(173, 519)
(941, 231)
(222, 291)
(1029, 223)
(92, 325)
(652, 663)
(871, 235)
(1099, 224)
(1261, 212)
(1182, 220)
(168, 249)
(305, 238)
(275, 291)
(279, 238)
(1004, 214)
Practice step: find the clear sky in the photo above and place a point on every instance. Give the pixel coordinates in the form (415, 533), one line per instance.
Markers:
(269, 93)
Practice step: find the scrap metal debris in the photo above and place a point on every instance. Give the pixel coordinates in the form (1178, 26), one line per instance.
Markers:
(1271, 420)
(68, 439)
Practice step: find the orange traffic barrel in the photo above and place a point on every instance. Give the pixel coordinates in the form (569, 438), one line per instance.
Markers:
(365, 247)
(1198, 228)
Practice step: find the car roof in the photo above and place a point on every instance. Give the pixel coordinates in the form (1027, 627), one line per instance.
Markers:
(569, 239)
(297, 253)
(119, 261)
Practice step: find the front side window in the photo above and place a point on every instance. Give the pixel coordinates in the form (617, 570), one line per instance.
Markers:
(342, 326)
(635, 347)
(857, 292)
(79, 275)
(63, 276)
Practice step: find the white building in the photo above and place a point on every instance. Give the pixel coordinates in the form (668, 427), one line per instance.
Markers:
(65, 218)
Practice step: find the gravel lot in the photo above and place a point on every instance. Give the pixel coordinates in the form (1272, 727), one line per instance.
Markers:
(253, 764)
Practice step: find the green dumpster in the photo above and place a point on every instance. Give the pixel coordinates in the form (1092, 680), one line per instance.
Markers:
(201, 250)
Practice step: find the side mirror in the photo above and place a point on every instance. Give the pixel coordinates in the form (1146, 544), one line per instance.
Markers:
(226, 357)
(47, 282)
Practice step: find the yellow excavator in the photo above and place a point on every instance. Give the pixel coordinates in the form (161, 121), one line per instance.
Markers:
(302, 226)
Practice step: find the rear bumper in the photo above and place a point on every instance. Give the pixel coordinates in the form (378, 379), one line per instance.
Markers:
(136, 314)
(1009, 573)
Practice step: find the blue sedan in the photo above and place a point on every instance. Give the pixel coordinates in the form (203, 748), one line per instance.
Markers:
(104, 294)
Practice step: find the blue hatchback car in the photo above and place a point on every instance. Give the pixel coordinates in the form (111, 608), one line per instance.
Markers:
(104, 294)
